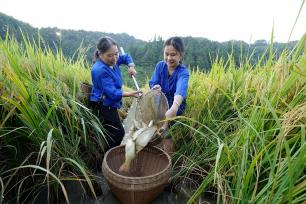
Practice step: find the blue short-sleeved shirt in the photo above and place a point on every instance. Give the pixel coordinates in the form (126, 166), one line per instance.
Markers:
(107, 82)
(176, 84)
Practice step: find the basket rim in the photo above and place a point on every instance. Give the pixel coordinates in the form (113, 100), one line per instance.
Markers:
(140, 177)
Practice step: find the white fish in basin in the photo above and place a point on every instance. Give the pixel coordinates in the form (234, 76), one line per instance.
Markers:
(137, 141)
(130, 154)
(144, 136)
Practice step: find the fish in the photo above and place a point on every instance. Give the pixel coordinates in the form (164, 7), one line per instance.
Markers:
(130, 154)
(150, 110)
(136, 143)
(144, 137)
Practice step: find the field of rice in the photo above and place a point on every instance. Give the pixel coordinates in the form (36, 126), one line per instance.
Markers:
(242, 137)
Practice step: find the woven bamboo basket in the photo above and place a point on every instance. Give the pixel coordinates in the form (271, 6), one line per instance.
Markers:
(149, 174)
(156, 141)
(85, 89)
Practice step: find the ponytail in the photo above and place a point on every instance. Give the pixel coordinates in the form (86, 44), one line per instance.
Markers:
(96, 56)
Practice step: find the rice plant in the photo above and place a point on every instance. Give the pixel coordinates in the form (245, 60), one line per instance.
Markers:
(47, 136)
(243, 137)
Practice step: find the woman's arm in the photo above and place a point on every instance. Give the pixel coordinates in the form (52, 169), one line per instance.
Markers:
(180, 94)
(127, 60)
(135, 94)
(178, 99)
(182, 84)
(109, 88)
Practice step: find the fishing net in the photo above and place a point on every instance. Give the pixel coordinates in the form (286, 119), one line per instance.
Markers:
(151, 106)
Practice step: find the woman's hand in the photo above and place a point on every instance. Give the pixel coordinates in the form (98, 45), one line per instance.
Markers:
(175, 106)
(136, 94)
(171, 112)
(132, 71)
(156, 87)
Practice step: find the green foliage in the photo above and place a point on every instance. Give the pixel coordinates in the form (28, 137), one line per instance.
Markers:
(243, 136)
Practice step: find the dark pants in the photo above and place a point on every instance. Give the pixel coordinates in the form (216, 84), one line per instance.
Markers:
(110, 120)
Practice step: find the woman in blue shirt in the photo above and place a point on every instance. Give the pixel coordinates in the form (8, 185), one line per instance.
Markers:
(171, 77)
(107, 93)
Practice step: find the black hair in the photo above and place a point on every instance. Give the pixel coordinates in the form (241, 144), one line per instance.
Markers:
(177, 43)
(103, 45)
